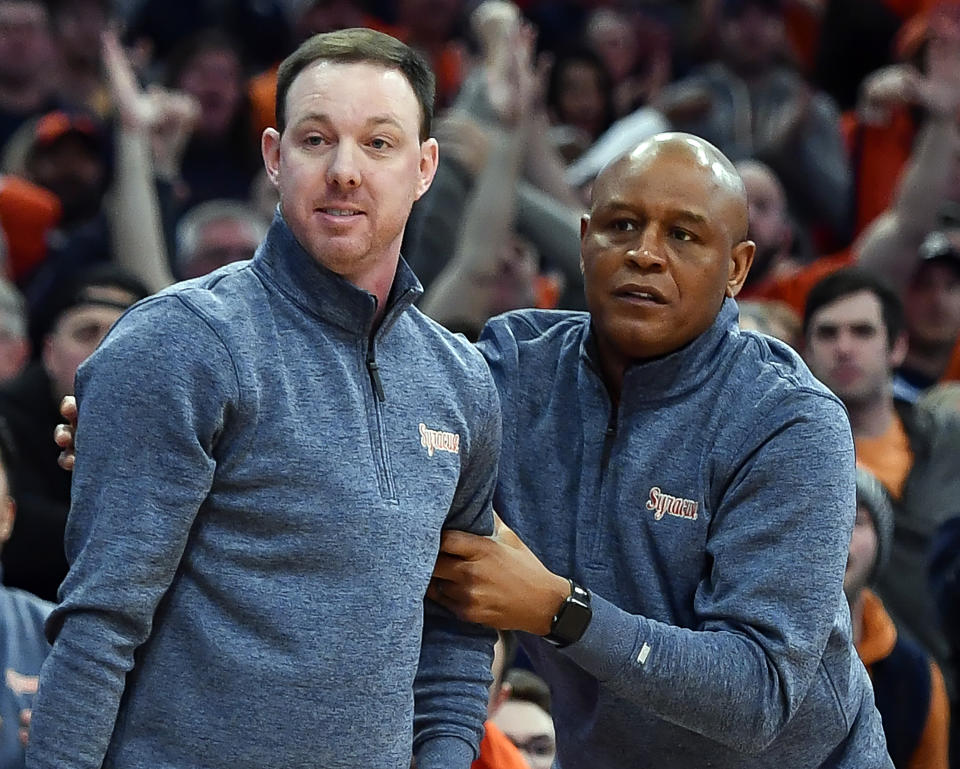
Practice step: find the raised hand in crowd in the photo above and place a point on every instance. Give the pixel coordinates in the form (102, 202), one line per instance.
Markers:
(154, 127)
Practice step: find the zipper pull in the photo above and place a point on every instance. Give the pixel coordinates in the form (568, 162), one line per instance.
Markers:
(374, 370)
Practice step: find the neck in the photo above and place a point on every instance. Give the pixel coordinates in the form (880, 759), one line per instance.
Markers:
(872, 418)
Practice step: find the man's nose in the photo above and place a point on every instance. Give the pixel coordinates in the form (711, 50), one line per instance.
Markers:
(344, 168)
(648, 249)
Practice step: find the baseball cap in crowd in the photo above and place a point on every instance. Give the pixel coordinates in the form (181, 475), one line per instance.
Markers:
(82, 289)
(54, 126)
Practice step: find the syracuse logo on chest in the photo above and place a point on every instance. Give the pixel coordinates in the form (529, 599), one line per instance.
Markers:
(662, 504)
(438, 440)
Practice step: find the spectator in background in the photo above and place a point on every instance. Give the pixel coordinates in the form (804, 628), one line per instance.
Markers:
(636, 53)
(23, 646)
(27, 73)
(496, 749)
(70, 155)
(751, 105)
(78, 26)
(579, 101)
(14, 339)
(772, 318)
(221, 157)
(770, 227)
(898, 101)
(81, 311)
(436, 29)
(74, 155)
(524, 716)
(217, 233)
(493, 269)
(499, 110)
(890, 247)
(932, 312)
(855, 338)
(907, 684)
(28, 213)
(261, 27)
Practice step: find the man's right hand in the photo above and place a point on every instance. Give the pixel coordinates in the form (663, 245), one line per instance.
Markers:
(64, 434)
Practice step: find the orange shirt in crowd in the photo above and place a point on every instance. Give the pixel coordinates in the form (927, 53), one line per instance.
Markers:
(497, 752)
(888, 456)
(878, 154)
(877, 639)
(27, 214)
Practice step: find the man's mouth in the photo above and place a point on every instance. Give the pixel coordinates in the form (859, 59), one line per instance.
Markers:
(645, 294)
(339, 211)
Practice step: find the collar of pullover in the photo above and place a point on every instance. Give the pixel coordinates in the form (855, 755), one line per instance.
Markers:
(675, 374)
(323, 293)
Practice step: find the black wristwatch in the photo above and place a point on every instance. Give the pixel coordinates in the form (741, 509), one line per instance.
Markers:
(571, 620)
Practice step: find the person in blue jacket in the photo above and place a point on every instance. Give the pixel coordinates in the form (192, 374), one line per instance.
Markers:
(268, 456)
(23, 645)
(681, 496)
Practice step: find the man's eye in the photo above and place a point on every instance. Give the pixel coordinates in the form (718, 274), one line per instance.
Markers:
(681, 235)
(624, 225)
(379, 144)
(314, 140)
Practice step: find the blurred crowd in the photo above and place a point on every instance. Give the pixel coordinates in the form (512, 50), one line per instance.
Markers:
(130, 159)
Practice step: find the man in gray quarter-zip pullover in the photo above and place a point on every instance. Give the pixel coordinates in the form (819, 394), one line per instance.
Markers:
(685, 492)
(268, 457)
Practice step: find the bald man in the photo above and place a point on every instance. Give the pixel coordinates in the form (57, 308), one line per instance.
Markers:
(685, 493)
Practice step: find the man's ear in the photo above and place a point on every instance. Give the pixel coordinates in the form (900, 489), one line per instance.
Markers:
(898, 351)
(741, 257)
(8, 513)
(584, 225)
(270, 149)
(429, 157)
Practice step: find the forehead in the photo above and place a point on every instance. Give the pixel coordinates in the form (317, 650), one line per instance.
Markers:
(84, 314)
(861, 307)
(668, 180)
(344, 92)
(520, 717)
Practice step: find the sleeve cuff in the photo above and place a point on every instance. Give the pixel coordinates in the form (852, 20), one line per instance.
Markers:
(445, 752)
(608, 645)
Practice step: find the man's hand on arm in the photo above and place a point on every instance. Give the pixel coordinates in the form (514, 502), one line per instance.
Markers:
(496, 581)
(64, 434)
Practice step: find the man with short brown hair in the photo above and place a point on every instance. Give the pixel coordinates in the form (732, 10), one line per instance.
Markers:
(272, 451)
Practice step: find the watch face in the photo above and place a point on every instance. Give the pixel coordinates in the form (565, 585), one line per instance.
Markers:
(571, 622)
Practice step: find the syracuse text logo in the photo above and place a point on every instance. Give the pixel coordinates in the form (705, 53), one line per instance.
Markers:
(438, 440)
(662, 504)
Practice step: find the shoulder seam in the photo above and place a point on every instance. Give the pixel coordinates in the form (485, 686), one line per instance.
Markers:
(198, 313)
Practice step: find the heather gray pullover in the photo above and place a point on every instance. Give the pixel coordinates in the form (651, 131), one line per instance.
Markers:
(710, 516)
(253, 528)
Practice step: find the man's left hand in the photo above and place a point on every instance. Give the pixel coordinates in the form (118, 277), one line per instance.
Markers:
(496, 581)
